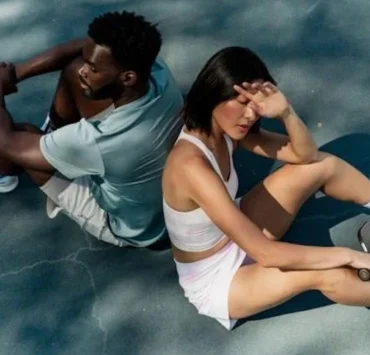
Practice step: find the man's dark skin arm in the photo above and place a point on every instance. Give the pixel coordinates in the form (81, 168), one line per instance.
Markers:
(53, 59)
(19, 147)
(22, 147)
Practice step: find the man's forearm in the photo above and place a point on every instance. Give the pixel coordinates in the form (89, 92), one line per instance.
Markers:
(51, 60)
(300, 137)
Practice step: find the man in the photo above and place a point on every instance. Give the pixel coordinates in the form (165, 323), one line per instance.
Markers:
(109, 165)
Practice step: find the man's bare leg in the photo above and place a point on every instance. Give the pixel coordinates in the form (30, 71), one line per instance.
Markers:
(7, 168)
(70, 104)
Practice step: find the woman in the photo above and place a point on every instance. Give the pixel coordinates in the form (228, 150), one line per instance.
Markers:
(227, 254)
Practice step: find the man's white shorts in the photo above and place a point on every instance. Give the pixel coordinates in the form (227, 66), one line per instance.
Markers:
(75, 199)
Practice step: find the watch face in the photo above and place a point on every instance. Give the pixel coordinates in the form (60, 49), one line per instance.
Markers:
(364, 237)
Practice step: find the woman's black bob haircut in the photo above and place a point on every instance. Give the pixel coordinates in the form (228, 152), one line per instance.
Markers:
(214, 84)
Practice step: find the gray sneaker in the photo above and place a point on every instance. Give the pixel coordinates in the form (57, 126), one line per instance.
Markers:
(8, 183)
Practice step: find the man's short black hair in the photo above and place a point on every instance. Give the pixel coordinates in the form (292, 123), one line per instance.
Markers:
(134, 42)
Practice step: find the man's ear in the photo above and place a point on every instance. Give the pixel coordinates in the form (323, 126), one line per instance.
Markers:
(128, 78)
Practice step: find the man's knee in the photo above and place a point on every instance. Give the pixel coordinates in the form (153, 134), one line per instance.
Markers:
(7, 167)
(70, 72)
(64, 109)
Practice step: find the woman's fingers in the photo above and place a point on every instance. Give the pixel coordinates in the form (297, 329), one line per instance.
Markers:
(251, 88)
(245, 93)
(267, 88)
(255, 107)
(262, 87)
(248, 92)
(256, 86)
(270, 87)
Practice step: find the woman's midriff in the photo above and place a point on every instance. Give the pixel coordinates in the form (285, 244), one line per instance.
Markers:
(190, 257)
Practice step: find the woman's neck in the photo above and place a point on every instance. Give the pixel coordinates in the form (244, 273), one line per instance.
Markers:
(213, 140)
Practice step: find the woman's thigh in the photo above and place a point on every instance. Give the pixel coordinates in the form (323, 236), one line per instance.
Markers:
(255, 289)
(274, 203)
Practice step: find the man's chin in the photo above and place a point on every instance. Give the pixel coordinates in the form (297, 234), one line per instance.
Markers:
(91, 95)
(98, 95)
(87, 93)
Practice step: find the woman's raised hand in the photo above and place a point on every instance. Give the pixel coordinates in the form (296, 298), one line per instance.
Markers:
(264, 98)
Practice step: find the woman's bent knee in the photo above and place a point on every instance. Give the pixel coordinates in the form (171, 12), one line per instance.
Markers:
(330, 163)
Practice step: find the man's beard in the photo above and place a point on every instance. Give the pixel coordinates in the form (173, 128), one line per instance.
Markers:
(105, 92)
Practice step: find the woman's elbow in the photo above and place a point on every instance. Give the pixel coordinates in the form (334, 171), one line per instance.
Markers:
(267, 259)
(273, 258)
(309, 157)
(267, 263)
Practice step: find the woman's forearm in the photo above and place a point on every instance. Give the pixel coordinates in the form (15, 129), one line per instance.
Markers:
(288, 256)
(283, 255)
(300, 137)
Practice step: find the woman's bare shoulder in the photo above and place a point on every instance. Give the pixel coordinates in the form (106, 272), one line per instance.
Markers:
(183, 155)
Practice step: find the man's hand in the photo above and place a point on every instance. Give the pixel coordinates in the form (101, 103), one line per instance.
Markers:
(264, 98)
(8, 79)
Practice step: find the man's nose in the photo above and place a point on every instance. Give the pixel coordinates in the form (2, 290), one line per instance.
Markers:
(82, 71)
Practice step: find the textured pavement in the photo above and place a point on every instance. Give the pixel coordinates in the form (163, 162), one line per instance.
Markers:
(64, 293)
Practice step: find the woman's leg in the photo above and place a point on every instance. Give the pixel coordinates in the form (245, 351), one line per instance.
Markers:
(255, 289)
(272, 205)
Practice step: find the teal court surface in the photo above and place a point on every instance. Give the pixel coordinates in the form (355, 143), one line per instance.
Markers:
(61, 292)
